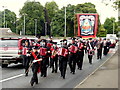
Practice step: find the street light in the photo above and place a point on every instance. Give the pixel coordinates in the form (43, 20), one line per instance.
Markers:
(51, 28)
(35, 27)
(4, 15)
(24, 24)
(65, 23)
(113, 27)
(24, 14)
(45, 28)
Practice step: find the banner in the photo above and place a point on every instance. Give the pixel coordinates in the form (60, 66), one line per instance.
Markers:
(87, 25)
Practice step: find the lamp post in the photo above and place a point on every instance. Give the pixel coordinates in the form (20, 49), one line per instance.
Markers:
(35, 27)
(24, 25)
(51, 28)
(113, 27)
(45, 28)
(65, 23)
(4, 15)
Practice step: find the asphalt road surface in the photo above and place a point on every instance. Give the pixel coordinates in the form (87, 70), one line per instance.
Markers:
(13, 76)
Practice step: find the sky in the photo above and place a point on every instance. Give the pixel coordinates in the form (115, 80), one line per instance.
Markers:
(103, 10)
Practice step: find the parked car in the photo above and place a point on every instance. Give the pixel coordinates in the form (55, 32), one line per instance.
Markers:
(11, 50)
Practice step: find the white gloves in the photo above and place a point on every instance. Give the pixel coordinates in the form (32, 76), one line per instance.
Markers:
(34, 61)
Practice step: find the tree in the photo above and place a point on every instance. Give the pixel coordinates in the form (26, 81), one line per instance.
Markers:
(10, 19)
(32, 10)
(51, 8)
(108, 25)
(102, 32)
(58, 20)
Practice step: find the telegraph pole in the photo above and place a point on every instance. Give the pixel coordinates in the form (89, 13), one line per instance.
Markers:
(65, 23)
(35, 27)
(24, 24)
(4, 15)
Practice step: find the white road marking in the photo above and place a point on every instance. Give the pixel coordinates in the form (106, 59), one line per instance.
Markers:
(11, 78)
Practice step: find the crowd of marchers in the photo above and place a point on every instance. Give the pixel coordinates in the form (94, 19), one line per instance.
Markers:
(44, 54)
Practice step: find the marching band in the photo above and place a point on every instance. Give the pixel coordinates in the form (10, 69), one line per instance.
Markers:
(45, 53)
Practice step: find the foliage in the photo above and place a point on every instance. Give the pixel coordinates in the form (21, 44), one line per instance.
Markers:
(10, 19)
(108, 25)
(32, 11)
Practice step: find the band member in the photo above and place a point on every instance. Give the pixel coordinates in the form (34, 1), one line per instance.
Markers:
(105, 47)
(90, 48)
(26, 57)
(80, 54)
(54, 57)
(35, 65)
(63, 57)
(108, 45)
(49, 45)
(99, 46)
(44, 54)
(85, 44)
(72, 57)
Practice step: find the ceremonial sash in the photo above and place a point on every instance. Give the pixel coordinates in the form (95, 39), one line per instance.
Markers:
(35, 57)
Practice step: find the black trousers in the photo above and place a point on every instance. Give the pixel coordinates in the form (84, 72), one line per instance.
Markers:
(26, 61)
(105, 50)
(99, 53)
(90, 58)
(35, 67)
(54, 64)
(44, 67)
(80, 56)
(63, 65)
(72, 62)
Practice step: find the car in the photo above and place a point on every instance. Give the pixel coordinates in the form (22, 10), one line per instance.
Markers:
(11, 50)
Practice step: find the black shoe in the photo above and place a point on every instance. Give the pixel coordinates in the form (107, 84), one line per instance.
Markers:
(44, 76)
(73, 72)
(26, 74)
(63, 77)
(32, 83)
(55, 71)
(80, 68)
(91, 63)
(41, 75)
(36, 82)
(52, 71)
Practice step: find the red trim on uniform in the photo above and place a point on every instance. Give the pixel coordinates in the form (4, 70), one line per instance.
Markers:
(35, 57)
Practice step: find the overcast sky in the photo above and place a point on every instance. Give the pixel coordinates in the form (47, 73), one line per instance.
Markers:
(103, 10)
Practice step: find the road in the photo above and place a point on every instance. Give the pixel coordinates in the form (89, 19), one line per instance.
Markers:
(104, 75)
(13, 75)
